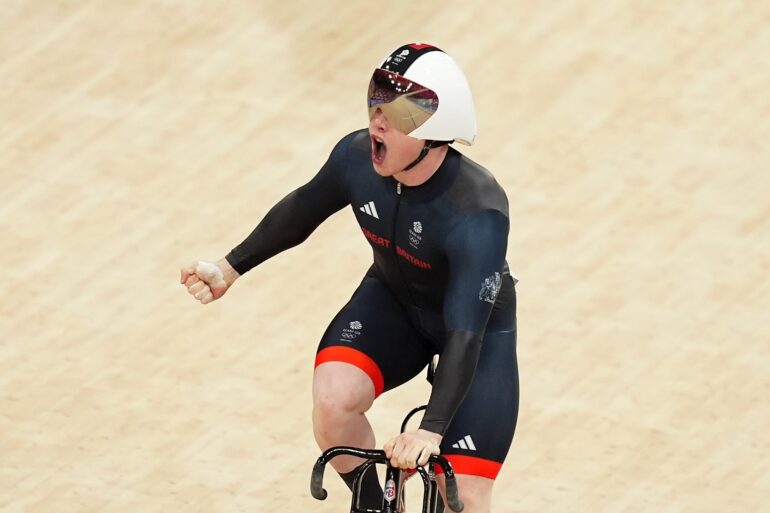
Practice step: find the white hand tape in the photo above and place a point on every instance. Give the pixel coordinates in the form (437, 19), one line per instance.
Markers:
(212, 273)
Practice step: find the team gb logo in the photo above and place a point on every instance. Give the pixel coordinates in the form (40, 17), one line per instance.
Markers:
(490, 288)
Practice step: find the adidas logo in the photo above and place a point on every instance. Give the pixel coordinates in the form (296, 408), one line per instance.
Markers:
(465, 443)
(370, 209)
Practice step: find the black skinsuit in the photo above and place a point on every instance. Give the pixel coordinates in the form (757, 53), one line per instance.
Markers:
(439, 284)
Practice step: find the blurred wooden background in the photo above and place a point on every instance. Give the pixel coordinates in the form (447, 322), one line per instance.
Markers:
(631, 138)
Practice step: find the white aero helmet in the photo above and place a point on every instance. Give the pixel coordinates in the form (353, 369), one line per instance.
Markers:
(425, 94)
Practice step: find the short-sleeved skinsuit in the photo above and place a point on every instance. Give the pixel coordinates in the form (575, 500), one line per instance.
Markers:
(439, 284)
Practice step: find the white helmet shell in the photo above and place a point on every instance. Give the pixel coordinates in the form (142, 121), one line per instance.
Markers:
(455, 118)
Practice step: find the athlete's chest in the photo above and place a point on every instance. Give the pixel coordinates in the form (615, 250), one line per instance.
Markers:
(400, 227)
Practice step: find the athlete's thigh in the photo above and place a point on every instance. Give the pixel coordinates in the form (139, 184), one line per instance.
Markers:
(481, 432)
(374, 333)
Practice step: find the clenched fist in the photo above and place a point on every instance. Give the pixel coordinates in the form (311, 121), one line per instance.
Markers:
(208, 281)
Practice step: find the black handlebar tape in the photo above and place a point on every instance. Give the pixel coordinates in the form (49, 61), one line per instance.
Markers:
(317, 480)
(452, 495)
(317, 477)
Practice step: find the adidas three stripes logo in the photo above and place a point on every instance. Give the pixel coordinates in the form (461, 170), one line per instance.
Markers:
(370, 209)
(465, 443)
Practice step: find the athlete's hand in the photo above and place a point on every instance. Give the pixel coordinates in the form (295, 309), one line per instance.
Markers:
(412, 449)
(207, 281)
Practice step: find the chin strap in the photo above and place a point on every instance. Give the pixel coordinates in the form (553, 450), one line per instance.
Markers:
(429, 145)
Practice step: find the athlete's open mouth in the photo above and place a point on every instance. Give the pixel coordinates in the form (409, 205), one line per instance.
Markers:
(378, 150)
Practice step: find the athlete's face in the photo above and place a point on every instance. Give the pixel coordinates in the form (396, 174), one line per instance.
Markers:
(392, 150)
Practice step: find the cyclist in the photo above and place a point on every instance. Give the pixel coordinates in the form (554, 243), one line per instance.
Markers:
(438, 226)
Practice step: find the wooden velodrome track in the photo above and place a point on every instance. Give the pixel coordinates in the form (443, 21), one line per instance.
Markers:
(631, 137)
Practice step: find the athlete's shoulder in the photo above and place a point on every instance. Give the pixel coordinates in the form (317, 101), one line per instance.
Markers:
(476, 189)
(349, 152)
(357, 141)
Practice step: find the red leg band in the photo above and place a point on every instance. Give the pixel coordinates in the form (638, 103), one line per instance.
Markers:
(470, 465)
(356, 358)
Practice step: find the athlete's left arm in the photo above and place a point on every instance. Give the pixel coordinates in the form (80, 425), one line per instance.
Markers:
(476, 253)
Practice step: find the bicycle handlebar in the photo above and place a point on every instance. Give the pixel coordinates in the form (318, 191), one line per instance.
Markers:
(316, 479)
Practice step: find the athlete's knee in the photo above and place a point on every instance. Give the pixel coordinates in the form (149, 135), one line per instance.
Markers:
(340, 389)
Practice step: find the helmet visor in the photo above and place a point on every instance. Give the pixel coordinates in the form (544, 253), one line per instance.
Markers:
(405, 103)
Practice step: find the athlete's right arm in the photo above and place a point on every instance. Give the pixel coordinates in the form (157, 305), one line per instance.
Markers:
(287, 224)
(296, 216)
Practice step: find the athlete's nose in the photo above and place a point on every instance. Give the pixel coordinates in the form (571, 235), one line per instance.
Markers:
(379, 121)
